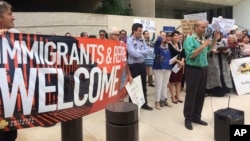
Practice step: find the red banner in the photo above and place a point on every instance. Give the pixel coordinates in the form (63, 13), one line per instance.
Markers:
(48, 79)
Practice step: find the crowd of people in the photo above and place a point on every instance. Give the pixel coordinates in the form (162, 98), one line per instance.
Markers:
(204, 61)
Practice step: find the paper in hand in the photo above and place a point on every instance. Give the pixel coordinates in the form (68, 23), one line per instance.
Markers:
(172, 60)
(217, 26)
(176, 68)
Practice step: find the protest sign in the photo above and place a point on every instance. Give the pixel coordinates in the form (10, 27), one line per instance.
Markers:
(147, 24)
(48, 79)
(135, 91)
(240, 69)
(196, 16)
(187, 26)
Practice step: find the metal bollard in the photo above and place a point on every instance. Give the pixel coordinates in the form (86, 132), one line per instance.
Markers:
(122, 122)
(72, 130)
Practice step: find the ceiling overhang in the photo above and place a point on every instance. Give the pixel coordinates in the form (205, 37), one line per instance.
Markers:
(200, 5)
(218, 2)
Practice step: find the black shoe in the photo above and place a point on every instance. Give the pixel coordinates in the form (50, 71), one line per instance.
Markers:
(201, 122)
(146, 107)
(162, 103)
(151, 85)
(188, 125)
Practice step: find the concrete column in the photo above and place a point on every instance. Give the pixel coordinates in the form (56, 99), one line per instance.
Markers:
(144, 8)
(88, 7)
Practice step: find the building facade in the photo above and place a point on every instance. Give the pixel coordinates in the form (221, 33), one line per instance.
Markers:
(173, 9)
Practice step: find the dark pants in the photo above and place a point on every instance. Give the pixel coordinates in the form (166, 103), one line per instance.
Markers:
(195, 92)
(140, 69)
(8, 135)
(150, 79)
(183, 81)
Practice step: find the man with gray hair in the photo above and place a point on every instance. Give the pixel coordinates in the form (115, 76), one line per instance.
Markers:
(6, 17)
(114, 35)
(6, 23)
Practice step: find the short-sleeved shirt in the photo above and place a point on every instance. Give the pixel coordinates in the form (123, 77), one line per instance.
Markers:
(190, 45)
(137, 50)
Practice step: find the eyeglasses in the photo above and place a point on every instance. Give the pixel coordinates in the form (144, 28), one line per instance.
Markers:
(102, 34)
(116, 34)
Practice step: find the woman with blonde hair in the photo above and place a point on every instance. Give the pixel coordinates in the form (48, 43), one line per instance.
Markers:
(234, 50)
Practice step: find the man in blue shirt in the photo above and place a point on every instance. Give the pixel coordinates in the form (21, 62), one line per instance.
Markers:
(137, 51)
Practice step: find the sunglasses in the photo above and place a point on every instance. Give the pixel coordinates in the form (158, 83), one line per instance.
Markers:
(117, 34)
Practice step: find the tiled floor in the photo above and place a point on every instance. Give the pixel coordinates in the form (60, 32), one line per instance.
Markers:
(166, 124)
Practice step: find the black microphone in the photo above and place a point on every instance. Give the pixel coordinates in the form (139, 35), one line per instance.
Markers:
(206, 36)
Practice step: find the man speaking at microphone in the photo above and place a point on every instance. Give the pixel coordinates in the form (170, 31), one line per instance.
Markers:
(196, 48)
